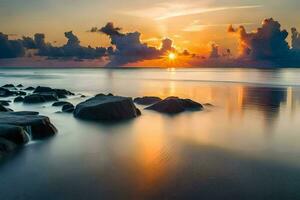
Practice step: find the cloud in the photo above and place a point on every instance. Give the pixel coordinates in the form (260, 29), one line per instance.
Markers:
(195, 26)
(214, 53)
(128, 47)
(295, 39)
(71, 50)
(267, 42)
(163, 11)
(10, 48)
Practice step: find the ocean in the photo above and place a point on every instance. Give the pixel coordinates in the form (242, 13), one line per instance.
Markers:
(244, 146)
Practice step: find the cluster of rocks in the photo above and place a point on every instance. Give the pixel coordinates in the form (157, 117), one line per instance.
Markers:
(16, 127)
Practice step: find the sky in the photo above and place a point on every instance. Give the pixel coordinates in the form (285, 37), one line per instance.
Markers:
(193, 25)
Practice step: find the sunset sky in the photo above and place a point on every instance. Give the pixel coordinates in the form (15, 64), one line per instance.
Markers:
(193, 25)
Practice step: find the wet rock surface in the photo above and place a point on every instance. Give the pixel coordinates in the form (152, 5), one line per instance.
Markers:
(148, 100)
(174, 105)
(106, 108)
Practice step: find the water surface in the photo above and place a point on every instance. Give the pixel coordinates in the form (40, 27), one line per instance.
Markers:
(246, 146)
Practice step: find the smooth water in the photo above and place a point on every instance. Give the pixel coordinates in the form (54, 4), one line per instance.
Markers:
(246, 146)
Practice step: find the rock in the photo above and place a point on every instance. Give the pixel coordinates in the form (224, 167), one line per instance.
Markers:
(69, 108)
(8, 86)
(6, 146)
(37, 126)
(106, 108)
(4, 109)
(174, 105)
(39, 98)
(29, 88)
(20, 85)
(82, 96)
(21, 93)
(4, 102)
(19, 99)
(60, 103)
(6, 92)
(13, 133)
(60, 93)
(208, 105)
(147, 100)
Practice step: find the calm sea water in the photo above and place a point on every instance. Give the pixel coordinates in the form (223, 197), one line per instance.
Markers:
(247, 146)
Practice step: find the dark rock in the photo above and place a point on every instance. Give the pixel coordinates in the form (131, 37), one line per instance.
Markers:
(8, 86)
(147, 100)
(15, 134)
(30, 88)
(19, 99)
(6, 92)
(82, 96)
(4, 102)
(4, 109)
(20, 85)
(60, 103)
(6, 146)
(60, 93)
(21, 93)
(106, 108)
(174, 105)
(36, 125)
(69, 108)
(39, 98)
(208, 105)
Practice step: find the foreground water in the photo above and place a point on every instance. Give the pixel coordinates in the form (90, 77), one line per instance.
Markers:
(244, 147)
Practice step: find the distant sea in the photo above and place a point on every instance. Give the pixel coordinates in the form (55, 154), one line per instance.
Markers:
(245, 146)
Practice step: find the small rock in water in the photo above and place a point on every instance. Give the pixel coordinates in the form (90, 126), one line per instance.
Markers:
(20, 85)
(174, 105)
(60, 103)
(39, 98)
(4, 109)
(106, 108)
(68, 108)
(146, 100)
(8, 86)
(19, 99)
(29, 88)
(6, 92)
(4, 102)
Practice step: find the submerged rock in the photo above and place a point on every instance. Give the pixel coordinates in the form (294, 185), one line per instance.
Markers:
(174, 105)
(37, 126)
(106, 108)
(148, 100)
(6, 92)
(39, 98)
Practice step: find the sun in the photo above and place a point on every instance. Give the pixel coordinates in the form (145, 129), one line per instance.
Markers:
(172, 56)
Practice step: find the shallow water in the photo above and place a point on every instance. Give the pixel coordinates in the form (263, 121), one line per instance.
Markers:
(246, 146)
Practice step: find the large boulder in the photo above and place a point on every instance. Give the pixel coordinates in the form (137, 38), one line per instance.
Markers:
(35, 125)
(174, 105)
(106, 108)
(146, 100)
(15, 134)
(39, 98)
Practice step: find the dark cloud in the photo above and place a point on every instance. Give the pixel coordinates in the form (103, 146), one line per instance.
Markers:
(295, 39)
(128, 47)
(110, 29)
(214, 52)
(10, 48)
(72, 49)
(267, 42)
